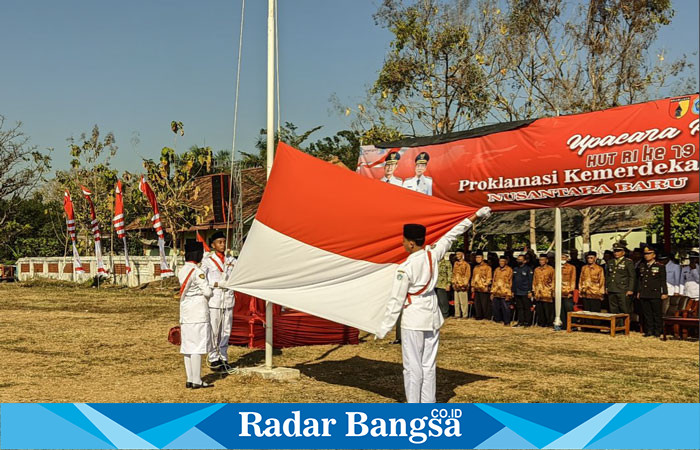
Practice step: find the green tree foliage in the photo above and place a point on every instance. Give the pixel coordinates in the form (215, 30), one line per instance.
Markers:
(172, 178)
(33, 229)
(685, 225)
(90, 167)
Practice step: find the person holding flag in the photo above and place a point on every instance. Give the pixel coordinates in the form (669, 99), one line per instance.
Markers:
(413, 292)
(218, 267)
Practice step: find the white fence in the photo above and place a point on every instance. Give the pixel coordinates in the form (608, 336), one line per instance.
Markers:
(143, 268)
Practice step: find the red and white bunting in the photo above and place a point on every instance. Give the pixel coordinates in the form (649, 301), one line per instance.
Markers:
(95, 226)
(144, 187)
(118, 222)
(70, 224)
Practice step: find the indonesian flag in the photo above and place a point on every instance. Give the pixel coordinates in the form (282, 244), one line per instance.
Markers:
(118, 221)
(101, 272)
(327, 241)
(148, 192)
(70, 224)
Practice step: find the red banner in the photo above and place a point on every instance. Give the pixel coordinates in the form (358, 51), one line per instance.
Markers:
(642, 153)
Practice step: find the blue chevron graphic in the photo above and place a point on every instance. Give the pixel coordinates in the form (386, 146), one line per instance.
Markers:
(117, 434)
(194, 439)
(18, 429)
(629, 413)
(71, 413)
(675, 418)
(146, 415)
(584, 433)
(161, 435)
(530, 431)
(505, 439)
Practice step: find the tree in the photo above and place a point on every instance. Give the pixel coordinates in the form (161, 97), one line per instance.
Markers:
(684, 225)
(287, 134)
(90, 167)
(431, 79)
(173, 181)
(22, 167)
(36, 227)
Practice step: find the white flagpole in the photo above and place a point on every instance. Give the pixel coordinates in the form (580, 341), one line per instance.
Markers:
(557, 267)
(270, 149)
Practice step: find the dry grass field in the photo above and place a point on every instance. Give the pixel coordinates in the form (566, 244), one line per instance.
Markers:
(62, 343)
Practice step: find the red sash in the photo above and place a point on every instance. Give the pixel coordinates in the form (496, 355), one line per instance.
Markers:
(218, 266)
(408, 296)
(184, 284)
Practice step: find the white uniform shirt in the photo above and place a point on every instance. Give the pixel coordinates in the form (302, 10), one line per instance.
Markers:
(421, 184)
(690, 282)
(217, 271)
(194, 307)
(673, 278)
(412, 275)
(393, 180)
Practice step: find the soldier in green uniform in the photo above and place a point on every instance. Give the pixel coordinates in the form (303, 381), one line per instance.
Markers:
(651, 290)
(619, 281)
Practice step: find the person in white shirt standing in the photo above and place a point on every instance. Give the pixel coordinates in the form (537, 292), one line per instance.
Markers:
(195, 331)
(218, 267)
(420, 183)
(413, 292)
(673, 282)
(690, 279)
(390, 163)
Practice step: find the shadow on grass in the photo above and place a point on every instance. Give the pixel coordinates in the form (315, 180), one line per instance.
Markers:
(252, 359)
(382, 377)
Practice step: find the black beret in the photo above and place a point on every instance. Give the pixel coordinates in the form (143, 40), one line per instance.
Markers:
(543, 255)
(217, 235)
(194, 246)
(591, 254)
(194, 251)
(414, 231)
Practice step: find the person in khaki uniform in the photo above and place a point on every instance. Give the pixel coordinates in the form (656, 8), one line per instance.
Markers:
(568, 285)
(461, 274)
(502, 291)
(442, 288)
(543, 291)
(481, 288)
(592, 284)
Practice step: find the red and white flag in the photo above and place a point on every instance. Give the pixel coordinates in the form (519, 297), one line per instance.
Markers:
(327, 241)
(144, 187)
(70, 224)
(95, 226)
(118, 222)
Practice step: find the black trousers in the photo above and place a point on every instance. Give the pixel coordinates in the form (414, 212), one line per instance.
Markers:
(501, 310)
(651, 310)
(443, 301)
(567, 305)
(545, 314)
(482, 305)
(523, 305)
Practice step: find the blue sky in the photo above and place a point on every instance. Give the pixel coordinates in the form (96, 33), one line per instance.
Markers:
(133, 66)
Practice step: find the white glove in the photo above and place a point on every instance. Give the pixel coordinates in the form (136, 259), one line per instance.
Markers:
(483, 212)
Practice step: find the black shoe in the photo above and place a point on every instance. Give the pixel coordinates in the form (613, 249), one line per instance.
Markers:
(647, 334)
(202, 386)
(397, 341)
(216, 365)
(188, 385)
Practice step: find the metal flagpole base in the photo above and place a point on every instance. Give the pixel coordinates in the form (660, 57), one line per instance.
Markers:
(276, 373)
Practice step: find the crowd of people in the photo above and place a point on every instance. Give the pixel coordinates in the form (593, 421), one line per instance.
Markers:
(645, 283)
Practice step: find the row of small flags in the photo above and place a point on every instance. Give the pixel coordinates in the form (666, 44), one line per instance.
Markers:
(118, 222)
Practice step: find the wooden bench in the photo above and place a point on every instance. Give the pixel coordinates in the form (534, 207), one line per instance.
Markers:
(590, 315)
(683, 323)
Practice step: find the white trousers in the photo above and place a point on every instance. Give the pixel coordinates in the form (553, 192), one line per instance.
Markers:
(221, 323)
(419, 349)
